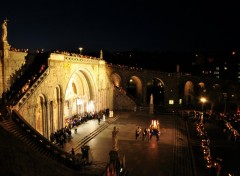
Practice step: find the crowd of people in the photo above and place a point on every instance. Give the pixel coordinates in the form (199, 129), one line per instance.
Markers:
(147, 133)
(60, 136)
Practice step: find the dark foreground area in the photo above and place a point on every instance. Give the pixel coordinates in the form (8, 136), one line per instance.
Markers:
(17, 159)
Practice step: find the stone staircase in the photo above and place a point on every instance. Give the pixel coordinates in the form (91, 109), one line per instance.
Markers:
(31, 90)
(21, 130)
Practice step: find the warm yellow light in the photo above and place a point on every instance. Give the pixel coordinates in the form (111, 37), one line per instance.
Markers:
(155, 124)
(80, 49)
(171, 102)
(203, 99)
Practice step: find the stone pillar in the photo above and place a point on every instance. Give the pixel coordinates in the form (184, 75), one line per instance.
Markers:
(49, 120)
(45, 118)
(4, 75)
(151, 110)
(50, 115)
(101, 54)
(4, 47)
(61, 112)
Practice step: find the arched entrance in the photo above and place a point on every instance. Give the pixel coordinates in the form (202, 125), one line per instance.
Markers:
(116, 80)
(155, 87)
(189, 93)
(40, 114)
(79, 95)
(134, 89)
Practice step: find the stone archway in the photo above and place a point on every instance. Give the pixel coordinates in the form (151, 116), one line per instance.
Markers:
(156, 90)
(80, 95)
(189, 93)
(116, 80)
(40, 114)
(135, 88)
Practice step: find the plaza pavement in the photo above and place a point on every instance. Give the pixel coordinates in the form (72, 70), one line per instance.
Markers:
(170, 156)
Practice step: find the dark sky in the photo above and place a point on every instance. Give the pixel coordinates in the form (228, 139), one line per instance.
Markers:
(121, 25)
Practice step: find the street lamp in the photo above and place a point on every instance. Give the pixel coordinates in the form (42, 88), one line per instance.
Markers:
(80, 49)
(203, 101)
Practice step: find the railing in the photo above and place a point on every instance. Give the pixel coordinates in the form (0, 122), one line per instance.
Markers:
(31, 89)
(46, 147)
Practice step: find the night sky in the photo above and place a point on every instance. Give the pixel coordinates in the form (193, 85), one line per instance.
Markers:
(121, 25)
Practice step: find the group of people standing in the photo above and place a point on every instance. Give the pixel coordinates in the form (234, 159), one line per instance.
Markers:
(147, 133)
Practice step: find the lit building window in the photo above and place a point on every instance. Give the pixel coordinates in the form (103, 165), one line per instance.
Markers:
(171, 102)
(180, 101)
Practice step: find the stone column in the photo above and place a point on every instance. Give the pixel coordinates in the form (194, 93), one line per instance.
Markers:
(4, 84)
(61, 109)
(45, 118)
(4, 75)
(151, 110)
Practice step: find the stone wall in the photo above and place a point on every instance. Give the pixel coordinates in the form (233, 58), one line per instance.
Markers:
(122, 101)
(11, 65)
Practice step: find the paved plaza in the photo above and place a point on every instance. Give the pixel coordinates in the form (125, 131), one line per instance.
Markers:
(177, 153)
(167, 157)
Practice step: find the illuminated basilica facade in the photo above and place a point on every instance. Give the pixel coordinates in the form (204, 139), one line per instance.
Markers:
(68, 86)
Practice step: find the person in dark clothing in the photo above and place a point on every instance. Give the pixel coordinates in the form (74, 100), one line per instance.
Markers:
(73, 152)
(99, 119)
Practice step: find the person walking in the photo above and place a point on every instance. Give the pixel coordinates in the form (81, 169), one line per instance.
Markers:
(73, 152)
(144, 133)
(99, 119)
(138, 131)
(75, 129)
(148, 134)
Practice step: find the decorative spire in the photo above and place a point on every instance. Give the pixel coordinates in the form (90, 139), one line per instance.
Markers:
(101, 54)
